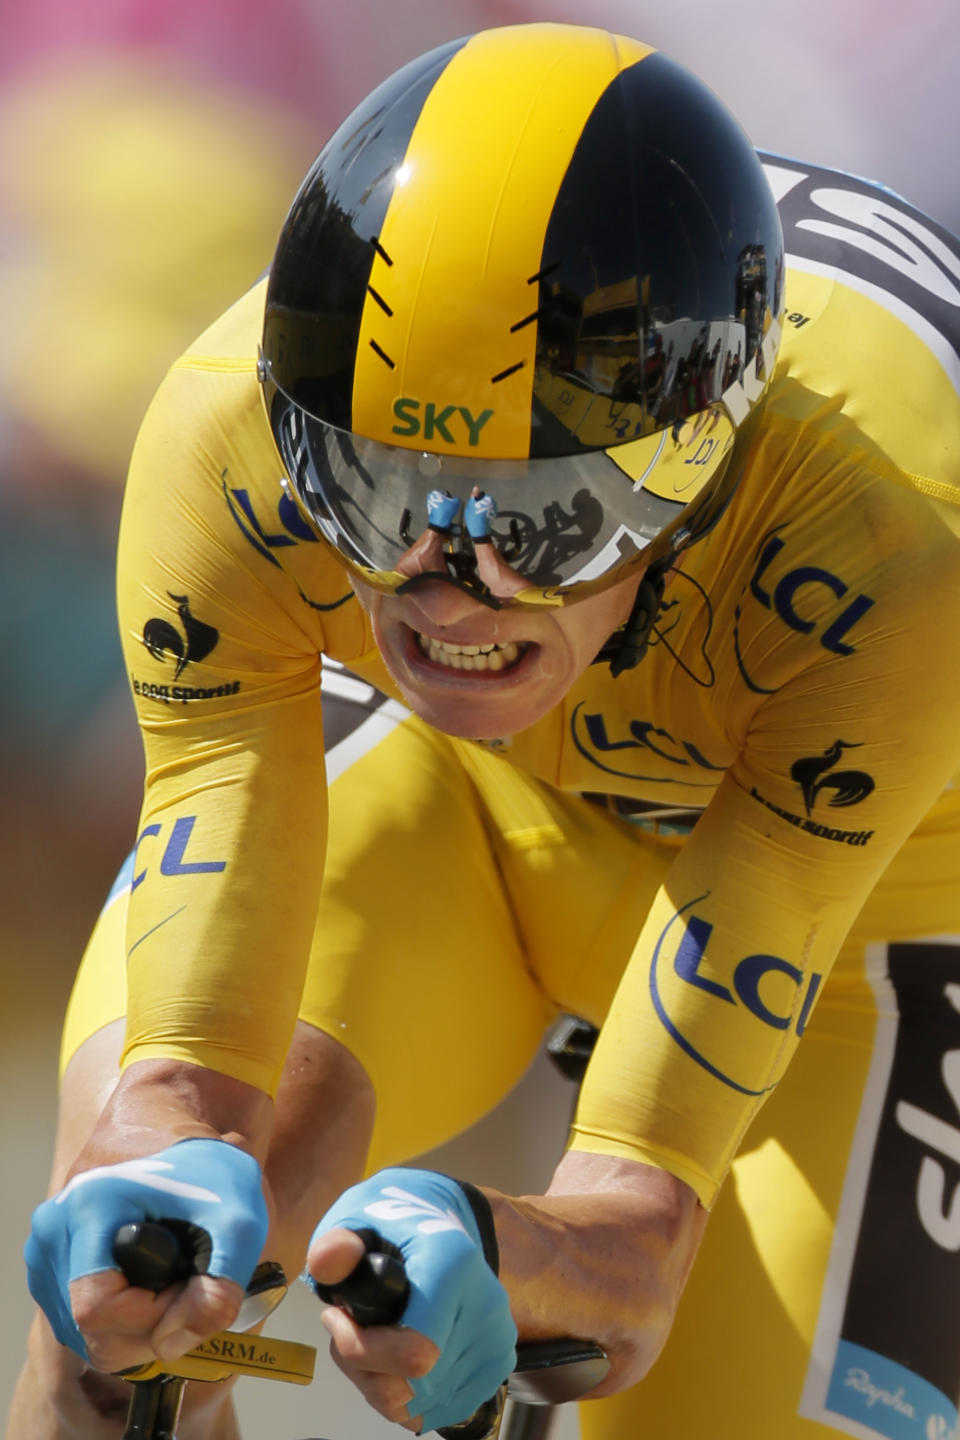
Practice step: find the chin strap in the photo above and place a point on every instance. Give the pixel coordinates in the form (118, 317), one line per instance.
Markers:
(628, 645)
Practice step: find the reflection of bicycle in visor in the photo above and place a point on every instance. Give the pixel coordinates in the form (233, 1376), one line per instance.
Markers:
(416, 305)
(562, 535)
(478, 514)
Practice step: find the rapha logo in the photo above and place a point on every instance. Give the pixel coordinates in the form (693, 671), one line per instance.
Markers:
(859, 1379)
(193, 643)
(816, 773)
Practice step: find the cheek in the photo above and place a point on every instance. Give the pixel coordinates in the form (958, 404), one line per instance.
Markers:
(371, 603)
(589, 626)
(364, 594)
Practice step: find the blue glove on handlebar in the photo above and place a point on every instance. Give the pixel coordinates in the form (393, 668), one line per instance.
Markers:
(479, 514)
(206, 1182)
(442, 510)
(445, 1235)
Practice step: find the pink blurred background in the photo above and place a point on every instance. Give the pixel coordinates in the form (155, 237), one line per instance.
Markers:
(148, 152)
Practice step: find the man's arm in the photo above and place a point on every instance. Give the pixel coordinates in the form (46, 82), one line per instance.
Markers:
(603, 1256)
(226, 869)
(156, 1105)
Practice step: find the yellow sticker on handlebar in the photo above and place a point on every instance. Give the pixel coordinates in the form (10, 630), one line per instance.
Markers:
(234, 1353)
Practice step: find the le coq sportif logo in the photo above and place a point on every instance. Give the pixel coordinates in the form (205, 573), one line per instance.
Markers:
(816, 774)
(193, 641)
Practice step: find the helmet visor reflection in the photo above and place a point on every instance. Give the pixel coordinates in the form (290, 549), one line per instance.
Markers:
(574, 523)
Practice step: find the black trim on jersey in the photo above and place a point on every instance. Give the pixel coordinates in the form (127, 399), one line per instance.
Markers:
(903, 1299)
(317, 312)
(324, 608)
(899, 228)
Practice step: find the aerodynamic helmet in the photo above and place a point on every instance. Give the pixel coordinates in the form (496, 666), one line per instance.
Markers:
(527, 294)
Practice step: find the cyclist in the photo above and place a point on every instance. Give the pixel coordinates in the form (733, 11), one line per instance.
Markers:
(676, 643)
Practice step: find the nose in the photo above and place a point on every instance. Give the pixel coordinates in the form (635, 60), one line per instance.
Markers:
(440, 603)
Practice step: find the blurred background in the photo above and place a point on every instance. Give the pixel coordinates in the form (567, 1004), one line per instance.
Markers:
(148, 152)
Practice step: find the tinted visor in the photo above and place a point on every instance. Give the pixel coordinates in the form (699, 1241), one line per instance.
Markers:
(563, 524)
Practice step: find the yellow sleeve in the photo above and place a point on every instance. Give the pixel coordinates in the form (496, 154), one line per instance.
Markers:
(840, 762)
(222, 654)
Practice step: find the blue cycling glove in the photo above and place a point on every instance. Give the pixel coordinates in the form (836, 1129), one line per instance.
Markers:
(442, 510)
(479, 514)
(444, 1232)
(205, 1182)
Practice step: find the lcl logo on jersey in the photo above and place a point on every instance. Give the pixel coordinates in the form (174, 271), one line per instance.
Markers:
(760, 989)
(173, 856)
(265, 538)
(634, 748)
(261, 535)
(796, 592)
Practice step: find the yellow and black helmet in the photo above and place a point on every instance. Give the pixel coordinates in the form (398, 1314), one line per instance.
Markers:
(527, 293)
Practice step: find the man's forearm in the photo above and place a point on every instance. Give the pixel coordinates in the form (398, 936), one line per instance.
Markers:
(603, 1256)
(157, 1102)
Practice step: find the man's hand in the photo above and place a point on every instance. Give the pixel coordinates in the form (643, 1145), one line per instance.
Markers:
(456, 1340)
(123, 1326)
(379, 1359)
(74, 1278)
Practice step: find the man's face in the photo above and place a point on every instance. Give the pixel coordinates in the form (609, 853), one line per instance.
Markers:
(481, 673)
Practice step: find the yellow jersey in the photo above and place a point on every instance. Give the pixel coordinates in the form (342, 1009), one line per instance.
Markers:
(799, 695)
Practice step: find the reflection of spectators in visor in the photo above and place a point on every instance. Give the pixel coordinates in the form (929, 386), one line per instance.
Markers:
(694, 427)
(751, 296)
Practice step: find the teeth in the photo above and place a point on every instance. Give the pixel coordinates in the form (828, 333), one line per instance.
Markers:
(470, 657)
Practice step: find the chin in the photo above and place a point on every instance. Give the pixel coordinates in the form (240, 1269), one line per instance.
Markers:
(470, 716)
(469, 724)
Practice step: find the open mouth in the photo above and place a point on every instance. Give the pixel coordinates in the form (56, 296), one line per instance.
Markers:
(492, 658)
